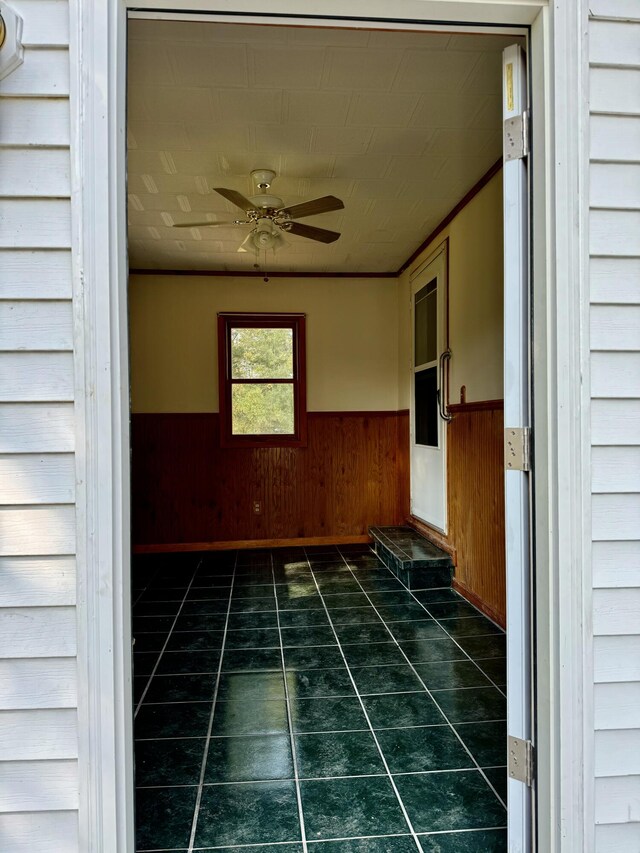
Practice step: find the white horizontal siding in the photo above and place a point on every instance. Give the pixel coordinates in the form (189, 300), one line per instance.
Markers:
(618, 838)
(34, 122)
(35, 274)
(36, 377)
(623, 793)
(40, 832)
(37, 531)
(37, 479)
(37, 632)
(615, 185)
(615, 375)
(36, 325)
(615, 281)
(29, 683)
(626, 38)
(43, 72)
(616, 564)
(618, 753)
(615, 516)
(614, 422)
(614, 245)
(615, 327)
(615, 611)
(34, 427)
(38, 697)
(615, 469)
(616, 659)
(38, 735)
(35, 223)
(46, 22)
(36, 581)
(34, 172)
(617, 706)
(38, 785)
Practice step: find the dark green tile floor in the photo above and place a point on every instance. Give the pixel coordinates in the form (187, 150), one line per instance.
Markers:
(299, 700)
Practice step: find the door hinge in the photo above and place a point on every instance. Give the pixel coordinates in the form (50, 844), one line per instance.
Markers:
(517, 449)
(515, 141)
(521, 760)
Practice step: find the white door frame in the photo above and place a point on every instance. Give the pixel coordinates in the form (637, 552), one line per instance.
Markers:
(564, 682)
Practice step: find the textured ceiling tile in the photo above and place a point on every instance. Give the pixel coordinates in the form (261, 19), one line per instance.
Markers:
(449, 142)
(218, 137)
(486, 74)
(219, 64)
(364, 166)
(316, 108)
(246, 105)
(359, 68)
(286, 140)
(437, 110)
(489, 115)
(376, 188)
(148, 63)
(214, 101)
(433, 72)
(301, 67)
(395, 140)
(152, 135)
(382, 109)
(309, 166)
(341, 140)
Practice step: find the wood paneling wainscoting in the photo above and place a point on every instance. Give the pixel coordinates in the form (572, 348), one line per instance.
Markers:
(186, 489)
(475, 473)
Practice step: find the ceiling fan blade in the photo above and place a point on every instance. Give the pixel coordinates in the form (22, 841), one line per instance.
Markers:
(322, 235)
(200, 224)
(315, 205)
(235, 198)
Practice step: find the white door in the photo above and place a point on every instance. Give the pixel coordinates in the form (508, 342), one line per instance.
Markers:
(516, 416)
(429, 355)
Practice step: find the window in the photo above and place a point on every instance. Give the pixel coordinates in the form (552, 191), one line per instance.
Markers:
(261, 367)
(426, 364)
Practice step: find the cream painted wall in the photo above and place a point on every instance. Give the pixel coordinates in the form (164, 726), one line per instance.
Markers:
(352, 338)
(475, 301)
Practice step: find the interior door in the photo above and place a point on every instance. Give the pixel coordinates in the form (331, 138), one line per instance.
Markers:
(428, 391)
(516, 417)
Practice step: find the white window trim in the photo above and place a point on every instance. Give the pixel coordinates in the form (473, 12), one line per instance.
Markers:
(561, 426)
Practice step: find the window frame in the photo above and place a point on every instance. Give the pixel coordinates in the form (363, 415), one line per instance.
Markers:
(263, 320)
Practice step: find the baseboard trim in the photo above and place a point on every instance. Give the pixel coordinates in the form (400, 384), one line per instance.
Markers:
(472, 598)
(244, 544)
(434, 536)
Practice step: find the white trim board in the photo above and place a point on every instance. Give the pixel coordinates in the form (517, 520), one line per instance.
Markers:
(564, 636)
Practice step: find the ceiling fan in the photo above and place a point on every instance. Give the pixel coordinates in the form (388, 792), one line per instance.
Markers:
(270, 217)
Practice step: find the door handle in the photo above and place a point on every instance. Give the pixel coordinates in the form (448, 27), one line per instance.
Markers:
(442, 395)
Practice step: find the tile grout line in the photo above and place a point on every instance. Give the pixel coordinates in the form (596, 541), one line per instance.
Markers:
(166, 642)
(366, 715)
(205, 756)
(453, 639)
(292, 743)
(415, 672)
(320, 732)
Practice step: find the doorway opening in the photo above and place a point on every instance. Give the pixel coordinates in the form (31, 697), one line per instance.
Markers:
(318, 610)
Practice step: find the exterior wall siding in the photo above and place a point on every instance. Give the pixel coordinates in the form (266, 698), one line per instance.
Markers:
(614, 247)
(38, 715)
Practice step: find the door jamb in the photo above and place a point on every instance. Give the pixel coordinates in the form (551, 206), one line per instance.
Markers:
(564, 685)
